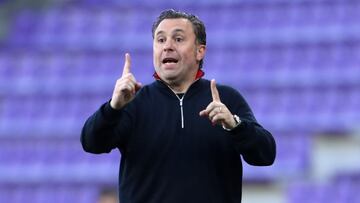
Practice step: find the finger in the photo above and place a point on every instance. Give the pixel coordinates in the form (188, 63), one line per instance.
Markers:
(214, 91)
(127, 64)
(127, 89)
(207, 110)
(125, 84)
(213, 113)
(129, 77)
(138, 85)
(218, 119)
(124, 81)
(203, 113)
(212, 106)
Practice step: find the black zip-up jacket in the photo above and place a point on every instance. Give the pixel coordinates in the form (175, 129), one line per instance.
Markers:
(170, 154)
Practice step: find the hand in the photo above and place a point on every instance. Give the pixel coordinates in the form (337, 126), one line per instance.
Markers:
(216, 111)
(125, 87)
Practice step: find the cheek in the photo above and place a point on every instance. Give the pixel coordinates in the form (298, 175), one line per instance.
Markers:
(191, 55)
(156, 56)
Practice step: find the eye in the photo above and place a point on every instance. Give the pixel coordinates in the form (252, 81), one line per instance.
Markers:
(179, 39)
(160, 40)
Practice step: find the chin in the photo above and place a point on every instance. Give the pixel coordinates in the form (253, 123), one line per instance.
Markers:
(169, 77)
(169, 73)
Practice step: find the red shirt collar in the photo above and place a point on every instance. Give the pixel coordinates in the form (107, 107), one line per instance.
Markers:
(199, 75)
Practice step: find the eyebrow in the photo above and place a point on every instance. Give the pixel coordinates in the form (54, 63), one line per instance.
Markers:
(175, 31)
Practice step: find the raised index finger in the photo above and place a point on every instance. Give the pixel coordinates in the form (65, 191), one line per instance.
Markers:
(214, 91)
(127, 64)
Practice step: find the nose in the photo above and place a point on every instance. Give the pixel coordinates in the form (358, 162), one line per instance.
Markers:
(168, 46)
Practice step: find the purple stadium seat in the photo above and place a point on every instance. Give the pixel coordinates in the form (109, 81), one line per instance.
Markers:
(341, 191)
(43, 193)
(296, 63)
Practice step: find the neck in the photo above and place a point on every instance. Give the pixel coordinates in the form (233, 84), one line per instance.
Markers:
(179, 87)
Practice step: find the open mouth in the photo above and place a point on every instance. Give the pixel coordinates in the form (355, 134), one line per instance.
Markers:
(169, 60)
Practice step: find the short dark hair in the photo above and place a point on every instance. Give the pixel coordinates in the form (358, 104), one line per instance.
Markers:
(198, 25)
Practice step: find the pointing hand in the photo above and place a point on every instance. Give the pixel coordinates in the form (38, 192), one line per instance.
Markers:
(216, 111)
(126, 86)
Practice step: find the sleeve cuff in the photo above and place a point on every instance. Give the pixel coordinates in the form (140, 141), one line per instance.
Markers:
(240, 132)
(110, 113)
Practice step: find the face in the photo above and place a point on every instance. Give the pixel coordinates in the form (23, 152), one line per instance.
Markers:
(176, 53)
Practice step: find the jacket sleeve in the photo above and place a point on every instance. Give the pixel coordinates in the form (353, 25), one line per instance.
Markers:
(255, 144)
(106, 129)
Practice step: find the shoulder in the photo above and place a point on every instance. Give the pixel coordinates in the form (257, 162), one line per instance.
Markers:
(146, 89)
(142, 98)
(227, 91)
(151, 91)
(230, 95)
(221, 87)
(224, 90)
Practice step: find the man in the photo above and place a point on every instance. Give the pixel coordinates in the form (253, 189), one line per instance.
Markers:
(181, 136)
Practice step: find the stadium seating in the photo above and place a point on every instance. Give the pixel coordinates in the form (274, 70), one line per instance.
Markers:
(296, 63)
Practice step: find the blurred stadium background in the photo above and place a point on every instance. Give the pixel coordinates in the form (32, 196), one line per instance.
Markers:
(297, 62)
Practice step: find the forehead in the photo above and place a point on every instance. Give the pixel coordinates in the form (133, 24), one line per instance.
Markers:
(173, 25)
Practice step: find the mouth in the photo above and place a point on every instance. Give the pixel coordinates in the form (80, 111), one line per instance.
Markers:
(169, 60)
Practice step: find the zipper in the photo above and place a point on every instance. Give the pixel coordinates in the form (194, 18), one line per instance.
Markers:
(181, 109)
(181, 103)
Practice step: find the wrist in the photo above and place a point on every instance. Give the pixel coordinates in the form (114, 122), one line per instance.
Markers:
(236, 122)
(114, 106)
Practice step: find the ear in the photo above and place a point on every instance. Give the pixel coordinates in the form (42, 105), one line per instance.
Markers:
(200, 53)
